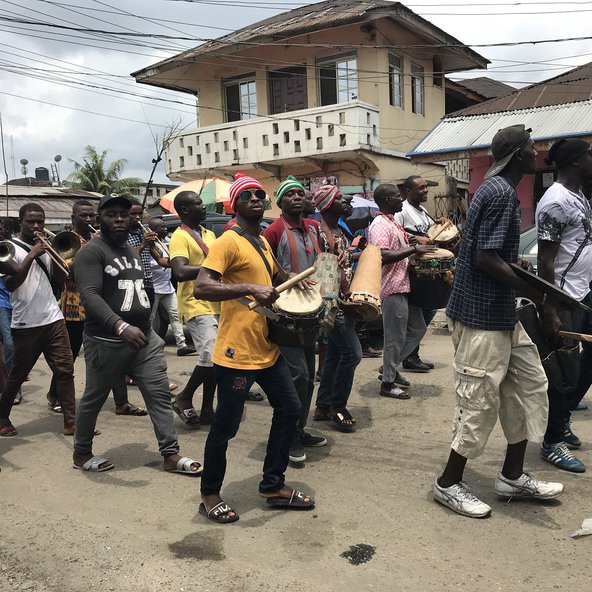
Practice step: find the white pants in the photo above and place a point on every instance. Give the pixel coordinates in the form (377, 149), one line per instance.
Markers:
(169, 303)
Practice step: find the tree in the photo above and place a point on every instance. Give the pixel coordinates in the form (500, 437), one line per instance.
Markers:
(94, 174)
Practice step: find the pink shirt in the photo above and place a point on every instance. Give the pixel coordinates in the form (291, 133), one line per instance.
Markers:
(386, 233)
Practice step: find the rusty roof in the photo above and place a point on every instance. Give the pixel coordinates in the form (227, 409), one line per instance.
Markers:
(313, 17)
(487, 87)
(570, 87)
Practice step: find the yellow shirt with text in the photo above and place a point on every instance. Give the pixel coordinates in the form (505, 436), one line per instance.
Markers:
(183, 245)
(242, 340)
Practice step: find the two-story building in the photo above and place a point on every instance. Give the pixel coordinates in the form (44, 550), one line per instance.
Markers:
(339, 89)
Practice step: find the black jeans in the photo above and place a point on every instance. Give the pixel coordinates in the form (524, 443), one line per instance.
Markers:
(560, 404)
(233, 387)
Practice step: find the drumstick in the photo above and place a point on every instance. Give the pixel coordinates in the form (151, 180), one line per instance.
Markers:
(576, 336)
(287, 284)
(444, 227)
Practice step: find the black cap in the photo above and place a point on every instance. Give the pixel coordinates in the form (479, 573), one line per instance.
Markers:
(114, 199)
(504, 145)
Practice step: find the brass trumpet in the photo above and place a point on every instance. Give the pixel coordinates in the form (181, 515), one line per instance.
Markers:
(158, 245)
(7, 251)
(63, 245)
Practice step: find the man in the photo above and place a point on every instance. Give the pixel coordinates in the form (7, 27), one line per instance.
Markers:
(189, 247)
(564, 229)
(164, 292)
(414, 218)
(344, 351)
(497, 368)
(404, 325)
(38, 325)
(118, 339)
(239, 264)
(295, 243)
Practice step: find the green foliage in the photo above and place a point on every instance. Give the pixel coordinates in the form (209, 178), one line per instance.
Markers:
(94, 174)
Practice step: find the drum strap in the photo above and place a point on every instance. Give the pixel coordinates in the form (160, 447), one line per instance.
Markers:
(294, 248)
(196, 238)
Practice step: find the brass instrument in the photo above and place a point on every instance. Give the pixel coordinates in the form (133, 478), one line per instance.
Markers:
(157, 248)
(7, 251)
(63, 245)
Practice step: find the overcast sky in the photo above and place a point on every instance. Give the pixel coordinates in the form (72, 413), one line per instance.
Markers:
(37, 129)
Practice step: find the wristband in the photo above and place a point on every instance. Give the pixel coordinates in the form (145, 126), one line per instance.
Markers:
(122, 328)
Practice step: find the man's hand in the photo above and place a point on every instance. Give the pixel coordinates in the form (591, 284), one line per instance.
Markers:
(38, 249)
(264, 294)
(305, 284)
(442, 220)
(149, 239)
(134, 337)
(423, 240)
(551, 322)
(425, 249)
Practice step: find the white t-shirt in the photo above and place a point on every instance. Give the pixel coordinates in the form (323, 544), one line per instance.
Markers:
(565, 217)
(33, 302)
(161, 276)
(417, 221)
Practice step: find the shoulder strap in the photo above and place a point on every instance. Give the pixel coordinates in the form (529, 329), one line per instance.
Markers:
(242, 232)
(38, 260)
(200, 243)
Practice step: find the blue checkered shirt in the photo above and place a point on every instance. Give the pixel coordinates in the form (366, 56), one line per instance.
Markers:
(135, 240)
(493, 223)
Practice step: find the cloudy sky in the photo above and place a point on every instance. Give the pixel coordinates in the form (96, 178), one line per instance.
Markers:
(61, 89)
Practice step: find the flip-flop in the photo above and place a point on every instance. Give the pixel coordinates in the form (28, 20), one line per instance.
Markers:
(134, 410)
(295, 501)
(339, 418)
(184, 465)
(217, 513)
(7, 431)
(93, 465)
(254, 396)
(188, 416)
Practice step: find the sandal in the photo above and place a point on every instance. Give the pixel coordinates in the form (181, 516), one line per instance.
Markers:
(255, 396)
(188, 416)
(8, 430)
(184, 466)
(129, 409)
(96, 464)
(173, 386)
(343, 420)
(295, 501)
(18, 399)
(218, 512)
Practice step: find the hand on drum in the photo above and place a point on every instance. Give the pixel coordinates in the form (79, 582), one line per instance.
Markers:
(264, 294)
(425, 249)
(306, 284)
(421, 240)
(341, 257)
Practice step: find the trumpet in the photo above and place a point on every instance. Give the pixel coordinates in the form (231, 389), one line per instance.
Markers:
(7, 251)
(63, 245)
(158, 248)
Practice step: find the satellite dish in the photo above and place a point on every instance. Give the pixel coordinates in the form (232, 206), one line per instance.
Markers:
(57, 157)
(24, 161)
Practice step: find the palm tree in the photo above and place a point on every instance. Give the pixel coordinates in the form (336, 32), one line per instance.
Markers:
(95, 175)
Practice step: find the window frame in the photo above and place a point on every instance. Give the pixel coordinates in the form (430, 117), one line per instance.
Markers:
(333, 61)
(397, 70)
(239, 81)
(417, 89)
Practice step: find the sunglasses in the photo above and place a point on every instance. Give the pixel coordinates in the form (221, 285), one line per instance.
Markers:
(247, 193)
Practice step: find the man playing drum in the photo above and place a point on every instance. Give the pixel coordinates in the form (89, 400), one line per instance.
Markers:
(240, 264)
(497, 369)
(295, 243)
(404, 325)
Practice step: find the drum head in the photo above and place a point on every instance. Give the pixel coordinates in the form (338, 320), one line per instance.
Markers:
(437, 254)
(442, 236)
(295, 301)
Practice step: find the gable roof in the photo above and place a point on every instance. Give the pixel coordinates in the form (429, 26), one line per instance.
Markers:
(570, 87)
(316, 17)
(487, 87)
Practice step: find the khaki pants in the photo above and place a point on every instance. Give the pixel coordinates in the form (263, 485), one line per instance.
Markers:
(496, 373)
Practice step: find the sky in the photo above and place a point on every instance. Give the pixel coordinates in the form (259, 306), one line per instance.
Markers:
(57, 86)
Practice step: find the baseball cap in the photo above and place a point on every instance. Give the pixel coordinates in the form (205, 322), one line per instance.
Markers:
(114, 199)
(504, 145)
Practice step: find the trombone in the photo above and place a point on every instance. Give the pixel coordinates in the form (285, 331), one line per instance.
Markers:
(7, 251)
(63, 245)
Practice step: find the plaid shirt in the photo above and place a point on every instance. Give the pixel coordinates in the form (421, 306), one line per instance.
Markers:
(135, 240)
(493, 223)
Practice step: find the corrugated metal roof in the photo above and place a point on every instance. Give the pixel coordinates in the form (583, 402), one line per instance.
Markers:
(463, 133)
(44, 192)
(487, 87)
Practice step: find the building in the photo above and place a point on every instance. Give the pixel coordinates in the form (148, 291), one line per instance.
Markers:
(559, 107)
(155, 192)
(341, 89)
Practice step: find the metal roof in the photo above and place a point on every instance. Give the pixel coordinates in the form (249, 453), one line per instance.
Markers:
(464, 133)
(487, 87)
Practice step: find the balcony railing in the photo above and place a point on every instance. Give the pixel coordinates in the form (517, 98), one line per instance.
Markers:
(313, 133)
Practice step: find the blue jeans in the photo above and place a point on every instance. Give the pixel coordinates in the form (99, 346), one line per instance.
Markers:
(6, 336)
(344, 353)
(233, 388)
(560, 404)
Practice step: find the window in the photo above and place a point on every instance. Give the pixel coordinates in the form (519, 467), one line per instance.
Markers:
(338, 80)
(417, 90)
(241, 99)
(437, 74)
(396, 80)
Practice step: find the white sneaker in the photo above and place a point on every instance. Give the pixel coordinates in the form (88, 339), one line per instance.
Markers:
(458, 497)
(526, 486)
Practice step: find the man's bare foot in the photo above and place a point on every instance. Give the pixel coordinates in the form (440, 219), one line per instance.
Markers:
(188, 467)
(210, 501)
(80, 459)
(286, 497)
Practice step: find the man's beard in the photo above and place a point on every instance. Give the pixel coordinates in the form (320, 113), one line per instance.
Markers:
(118, 238)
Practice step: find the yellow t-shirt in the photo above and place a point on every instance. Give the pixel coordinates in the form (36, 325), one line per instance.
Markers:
(242, 340)
(183, 245)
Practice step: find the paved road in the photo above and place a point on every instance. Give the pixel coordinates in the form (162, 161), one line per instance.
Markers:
(137, 528)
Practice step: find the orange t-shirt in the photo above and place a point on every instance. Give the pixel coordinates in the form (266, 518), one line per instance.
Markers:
(242, 341)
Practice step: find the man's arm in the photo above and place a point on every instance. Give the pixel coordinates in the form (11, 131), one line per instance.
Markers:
(546, 255)
(182, 271)
(15, 281)
(209, 287)
(392, 256)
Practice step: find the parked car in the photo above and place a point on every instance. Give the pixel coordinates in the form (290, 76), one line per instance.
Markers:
(528, 248)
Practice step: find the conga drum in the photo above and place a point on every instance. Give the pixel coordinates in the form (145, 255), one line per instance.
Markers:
(431, 276)
(445, 235)
(363, 302)
(328, 278)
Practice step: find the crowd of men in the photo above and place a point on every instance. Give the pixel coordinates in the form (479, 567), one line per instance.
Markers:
(123, 272)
